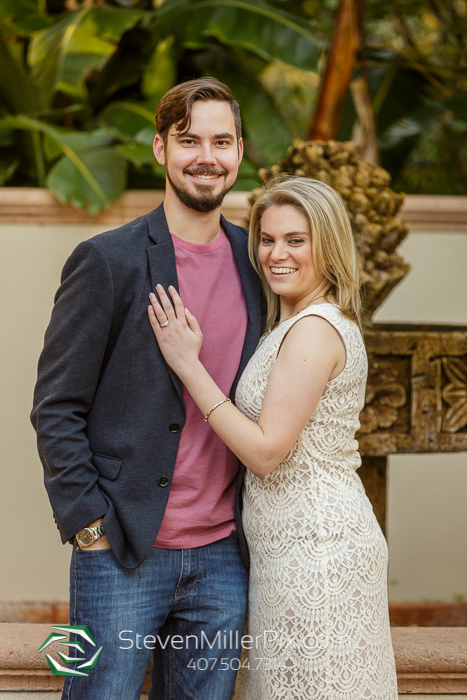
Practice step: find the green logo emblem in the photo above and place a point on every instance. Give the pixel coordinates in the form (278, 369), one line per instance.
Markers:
(82, 631)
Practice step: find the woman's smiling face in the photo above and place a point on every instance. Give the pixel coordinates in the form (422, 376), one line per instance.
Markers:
(285, 253)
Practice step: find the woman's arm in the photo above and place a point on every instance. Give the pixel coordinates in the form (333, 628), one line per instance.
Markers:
(310, 353)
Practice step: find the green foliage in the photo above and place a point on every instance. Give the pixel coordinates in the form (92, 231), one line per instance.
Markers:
(61, 57)
(79, 88)
(79, 85)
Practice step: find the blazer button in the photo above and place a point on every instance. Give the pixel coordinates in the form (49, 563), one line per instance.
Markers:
(163, 482)
(174, 428)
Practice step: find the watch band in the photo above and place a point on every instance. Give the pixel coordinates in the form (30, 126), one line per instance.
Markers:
(84, 536)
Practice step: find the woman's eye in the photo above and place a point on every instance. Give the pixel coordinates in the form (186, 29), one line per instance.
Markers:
(295, 240)
(266, 241)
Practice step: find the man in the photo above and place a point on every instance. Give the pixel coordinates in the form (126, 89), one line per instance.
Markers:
(138, 481)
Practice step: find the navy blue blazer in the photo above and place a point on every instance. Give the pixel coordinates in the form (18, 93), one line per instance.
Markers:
(108, 411)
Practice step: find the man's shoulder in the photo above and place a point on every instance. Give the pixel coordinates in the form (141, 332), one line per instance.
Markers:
(126, 244)
(134, 233)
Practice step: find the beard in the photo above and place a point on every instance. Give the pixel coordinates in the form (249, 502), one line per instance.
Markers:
(203, 200)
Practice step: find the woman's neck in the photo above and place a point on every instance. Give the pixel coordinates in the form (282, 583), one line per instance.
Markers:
(292, 306)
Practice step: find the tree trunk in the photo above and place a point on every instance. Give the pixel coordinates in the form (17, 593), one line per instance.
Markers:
(340, 67)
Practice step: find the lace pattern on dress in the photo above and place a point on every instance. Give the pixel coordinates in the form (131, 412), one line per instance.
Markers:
(318, 608)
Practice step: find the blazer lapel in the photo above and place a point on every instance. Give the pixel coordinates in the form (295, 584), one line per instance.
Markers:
(252, 292)
(162, 266)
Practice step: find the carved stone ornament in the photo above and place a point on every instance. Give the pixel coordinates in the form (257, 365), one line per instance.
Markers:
(385, 395)
(454, 394)
(416, 399)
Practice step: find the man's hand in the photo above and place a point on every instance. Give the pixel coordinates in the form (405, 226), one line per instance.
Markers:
(100, 543)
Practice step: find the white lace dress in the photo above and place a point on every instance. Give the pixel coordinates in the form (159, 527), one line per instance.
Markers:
(318, 610)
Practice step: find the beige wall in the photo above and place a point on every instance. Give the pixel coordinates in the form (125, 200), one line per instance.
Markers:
(427, 518)
(427, 513)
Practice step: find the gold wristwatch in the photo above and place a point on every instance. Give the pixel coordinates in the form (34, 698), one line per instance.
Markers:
(88, 535)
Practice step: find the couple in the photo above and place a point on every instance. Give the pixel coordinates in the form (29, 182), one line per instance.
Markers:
(142, 421)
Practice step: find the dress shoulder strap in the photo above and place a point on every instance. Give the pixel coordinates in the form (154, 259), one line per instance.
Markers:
(347, 329)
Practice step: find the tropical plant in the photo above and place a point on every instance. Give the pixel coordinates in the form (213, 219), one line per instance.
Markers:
(409, 86)
(79, 88)
(80, 81)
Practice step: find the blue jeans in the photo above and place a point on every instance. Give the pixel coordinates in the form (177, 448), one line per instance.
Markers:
(198, 594)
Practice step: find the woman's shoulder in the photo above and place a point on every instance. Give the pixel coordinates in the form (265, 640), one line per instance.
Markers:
(326, 319)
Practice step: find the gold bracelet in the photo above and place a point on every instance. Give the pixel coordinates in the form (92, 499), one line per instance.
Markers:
(214, 407)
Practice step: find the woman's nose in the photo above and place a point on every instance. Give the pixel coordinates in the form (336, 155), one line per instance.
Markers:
(278, 253)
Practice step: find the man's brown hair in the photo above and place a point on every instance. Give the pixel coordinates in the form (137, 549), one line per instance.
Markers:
(176, 105)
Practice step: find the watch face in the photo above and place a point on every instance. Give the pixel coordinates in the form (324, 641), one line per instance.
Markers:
(85, 537)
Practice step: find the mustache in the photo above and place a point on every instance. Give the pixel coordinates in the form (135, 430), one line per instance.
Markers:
(204, 171)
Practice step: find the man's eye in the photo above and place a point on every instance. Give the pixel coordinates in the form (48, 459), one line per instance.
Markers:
(187, 142)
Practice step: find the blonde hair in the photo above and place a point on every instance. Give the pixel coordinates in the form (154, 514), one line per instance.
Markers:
(332, 243)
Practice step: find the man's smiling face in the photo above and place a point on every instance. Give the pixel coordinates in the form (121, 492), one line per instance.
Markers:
(202, 163)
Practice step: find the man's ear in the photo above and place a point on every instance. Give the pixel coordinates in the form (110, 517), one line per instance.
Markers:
(240, 150)
(159, 150)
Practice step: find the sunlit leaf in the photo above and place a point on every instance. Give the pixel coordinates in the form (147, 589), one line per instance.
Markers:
(127, 118)
(108, 168)
(257, 26)
(161, 72)
(16, 91)
(62, 56)
(136, 153)
(77, 140)
(7, 169)
(18, 95)
(23, 16)
(97, 174)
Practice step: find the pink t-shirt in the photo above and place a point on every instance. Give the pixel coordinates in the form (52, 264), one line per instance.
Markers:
(200, 509)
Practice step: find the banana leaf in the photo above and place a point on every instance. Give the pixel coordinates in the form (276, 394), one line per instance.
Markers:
(23, 17)
(260, 27)
(160, 73)
(127, 119)
(106, 166)
(62, 56)
(95, 177)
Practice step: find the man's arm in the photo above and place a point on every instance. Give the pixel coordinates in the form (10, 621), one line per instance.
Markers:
(69, 369)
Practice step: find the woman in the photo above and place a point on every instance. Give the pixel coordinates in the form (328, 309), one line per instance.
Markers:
(318, 612)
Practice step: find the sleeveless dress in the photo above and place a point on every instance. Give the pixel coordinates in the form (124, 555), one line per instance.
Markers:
(318, 621)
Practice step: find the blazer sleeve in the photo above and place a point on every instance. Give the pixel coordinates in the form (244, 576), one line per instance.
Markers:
(68, 375)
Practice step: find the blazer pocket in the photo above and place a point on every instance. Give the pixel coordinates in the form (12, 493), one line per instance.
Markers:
(108, 467)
